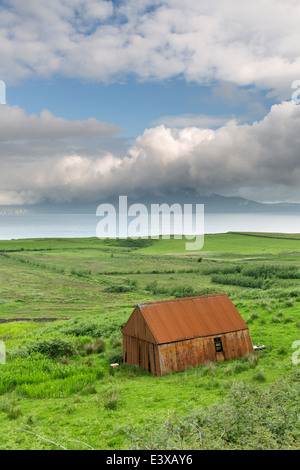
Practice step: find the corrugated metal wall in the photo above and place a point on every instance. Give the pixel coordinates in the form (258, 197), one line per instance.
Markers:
(146, 343)
(139, 352)
(175, 357)
(137, 327)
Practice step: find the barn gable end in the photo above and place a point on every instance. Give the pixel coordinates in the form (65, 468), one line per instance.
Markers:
(137, 327)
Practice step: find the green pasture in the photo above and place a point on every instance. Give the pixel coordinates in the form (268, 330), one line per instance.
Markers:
(63, 303)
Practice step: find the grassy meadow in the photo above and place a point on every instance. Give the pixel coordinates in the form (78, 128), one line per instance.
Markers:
(63, 303)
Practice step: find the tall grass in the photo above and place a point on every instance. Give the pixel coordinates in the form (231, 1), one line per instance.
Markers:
(251, 418)
(38, 377)
(256, 276)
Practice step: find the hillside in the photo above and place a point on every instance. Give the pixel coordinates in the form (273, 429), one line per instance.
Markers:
(57, 382)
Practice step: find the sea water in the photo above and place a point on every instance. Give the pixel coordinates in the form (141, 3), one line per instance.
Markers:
(85, 225)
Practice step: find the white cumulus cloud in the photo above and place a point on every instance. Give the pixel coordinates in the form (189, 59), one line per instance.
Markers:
(245, 43)
(259, 160)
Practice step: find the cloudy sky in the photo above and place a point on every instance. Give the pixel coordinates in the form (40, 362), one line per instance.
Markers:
(118, 97)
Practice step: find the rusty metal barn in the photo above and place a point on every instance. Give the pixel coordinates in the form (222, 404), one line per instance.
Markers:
(171, 335)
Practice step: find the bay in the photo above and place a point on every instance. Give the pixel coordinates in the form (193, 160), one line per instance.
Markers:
(24, 226)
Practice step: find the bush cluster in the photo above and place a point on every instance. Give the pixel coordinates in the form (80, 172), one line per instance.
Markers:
(251, 418)
(53, 347)
(254, 276)
(101, 327)
(176, 291)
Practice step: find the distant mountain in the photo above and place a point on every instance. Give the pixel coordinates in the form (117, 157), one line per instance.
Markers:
(213, 204)
(222, 204)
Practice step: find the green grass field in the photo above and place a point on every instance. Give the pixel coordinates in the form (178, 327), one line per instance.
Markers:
(63, 303)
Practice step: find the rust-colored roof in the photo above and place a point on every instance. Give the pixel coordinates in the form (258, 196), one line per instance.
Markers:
(192, 317)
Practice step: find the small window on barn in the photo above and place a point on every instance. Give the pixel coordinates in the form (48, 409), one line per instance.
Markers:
(218, 345)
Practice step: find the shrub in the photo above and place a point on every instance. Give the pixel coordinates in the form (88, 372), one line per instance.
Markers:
(209, 368)
(102, 327)
(53, 347)
(119, 288)
(252, 317)
(177, 291)
(81, 272)
(115, 356)
(251, 417)
(95, 347)
(260, 376)
(152, 287)
(89, 388)
(116, 341)
(253, 276)
(132, 370)
(239, 280)
(282, 350)
(251, 358)
(110, 398)
(71, 409)
(276, 320)
(182, 291)
(239, 367)
(14, 412)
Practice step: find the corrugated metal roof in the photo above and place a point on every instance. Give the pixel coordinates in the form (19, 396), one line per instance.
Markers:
(192, 317)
